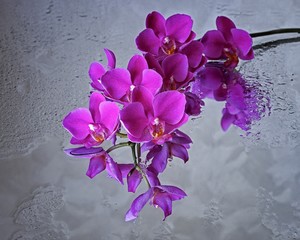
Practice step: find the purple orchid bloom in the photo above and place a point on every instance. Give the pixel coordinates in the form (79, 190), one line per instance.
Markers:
(160, 196)
(119, 83)
(153, 118)
(227, 42)
(97, 70)
(164, 36)
(90, 127)
(193, 104)
(99, 161)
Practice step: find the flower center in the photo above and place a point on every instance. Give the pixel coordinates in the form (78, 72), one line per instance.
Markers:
(97, 132)
(157, 128)
(169, 46)
(232, 57)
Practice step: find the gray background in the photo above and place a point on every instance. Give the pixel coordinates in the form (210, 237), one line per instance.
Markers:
(239, 186)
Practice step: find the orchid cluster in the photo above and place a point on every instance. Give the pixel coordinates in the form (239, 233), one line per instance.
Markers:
(147, 102)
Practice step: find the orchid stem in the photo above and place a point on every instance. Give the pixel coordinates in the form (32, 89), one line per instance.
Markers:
(119, 145)
(121, 135)
(275, 31)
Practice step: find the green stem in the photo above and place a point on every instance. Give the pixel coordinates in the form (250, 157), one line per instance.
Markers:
(121, 135)
(119, 145)
(275, 31)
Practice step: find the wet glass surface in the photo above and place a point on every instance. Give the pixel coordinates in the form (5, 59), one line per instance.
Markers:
(239, 185)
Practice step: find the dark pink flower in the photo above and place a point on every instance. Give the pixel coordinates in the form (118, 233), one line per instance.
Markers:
(159, 196)
(151, 117)
(92, 126)
(227, 42)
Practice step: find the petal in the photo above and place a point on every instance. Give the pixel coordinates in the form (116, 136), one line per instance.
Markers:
(224, 24)
(125, 168)
(151, 80)
(147, 41)
(117, 82)
(88, 142)
(169, 106)
(171, 127)
(154, 64)
(96, 166)
(156, 22)
(134, 119)
(181, 138)
(138, 204)
(83, 152)
(243, 42)
(160, 160)
(214, 43)
(220, 94)
(176, 67)
(152, 178)
(193, 51)
(180, 151)
(174, 192)
(113, 170)
(144, 96)
(109, 112)
(77, 123)
(96, 71)
(111, 58)
(137, 64)
(134, 180)
(179, 27)
(211, 78)
(95, 100)
(164, 202)
(227, 120)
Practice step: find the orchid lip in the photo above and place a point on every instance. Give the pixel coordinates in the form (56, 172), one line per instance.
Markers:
(97, 132)
(169, 46)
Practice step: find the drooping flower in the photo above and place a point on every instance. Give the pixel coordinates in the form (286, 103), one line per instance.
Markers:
(119, 83)
(90, 127)
(227, 42)
(153, 118)
(160, 196)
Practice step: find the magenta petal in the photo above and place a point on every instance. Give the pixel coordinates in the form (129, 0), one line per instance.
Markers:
(164, 202)
(154, 64)
(138, 204)
(134, 180)
(151, 80)
(95, 100)
(211, 78)
(179, 27)
(176, 67)
(111, 58)
(77, 123)
(227, 120)
(83, 152)
(117, 82)
(169, 106)
(96, 71)
(193, 51)
(243, 42)
(174, 192)
(96, 166)
(171, 127)
(214, 43)
(147, 41)
(145, 97)
(180, 151)
(152, 178)
(125, 168)
(156, 22)
(134, 119)
(113, 170)
(137, 64)
(224, 24)
(159, 162)
(109, 112)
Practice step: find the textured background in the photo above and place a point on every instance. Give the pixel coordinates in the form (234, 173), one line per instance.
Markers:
(239, 186)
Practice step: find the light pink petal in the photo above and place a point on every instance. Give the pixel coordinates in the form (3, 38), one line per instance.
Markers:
(151, 80)
(176, 67)
(243, 42)
(156, 22)
(117, 82)
(96, 166)
(179, 27)
(95, 100)
(134, 180)
(77, 122)
(169, 106)
(138, 204)
(137, 64)
(134, 119)
(109, 112)
(96, 71)
(214, 43)
(224, 24)
(111, 58)
(147, 41)
(193, 51)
